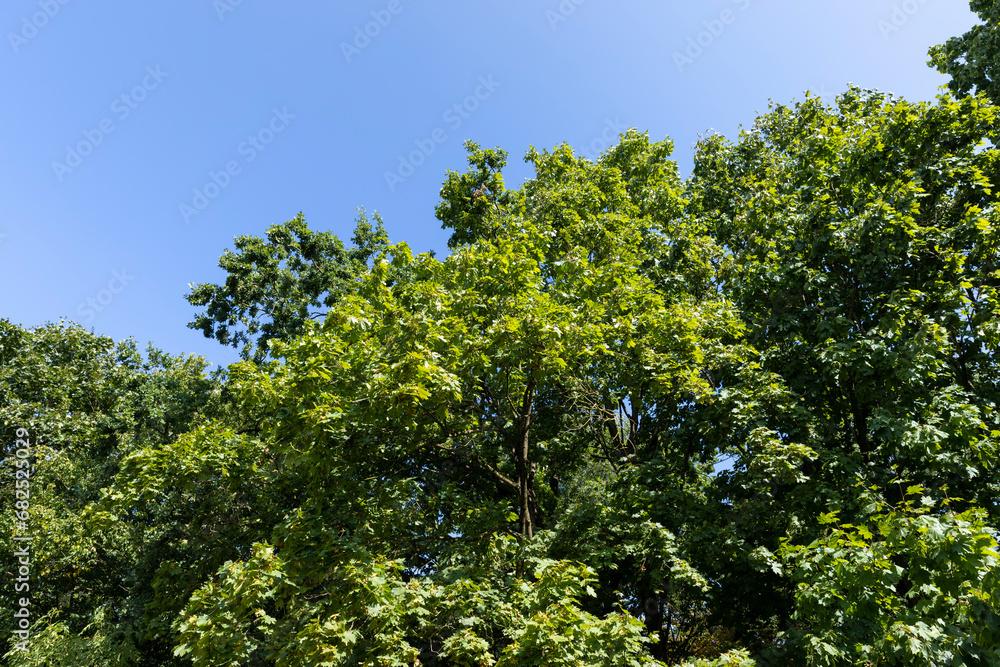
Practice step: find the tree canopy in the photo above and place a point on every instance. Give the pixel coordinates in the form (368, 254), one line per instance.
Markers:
(744, 418)
(273, 283)
(972, 59)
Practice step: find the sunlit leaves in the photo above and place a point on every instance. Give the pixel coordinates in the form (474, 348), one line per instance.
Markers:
(910, 585)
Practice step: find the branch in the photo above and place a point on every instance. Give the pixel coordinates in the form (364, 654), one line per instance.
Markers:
(496, 474)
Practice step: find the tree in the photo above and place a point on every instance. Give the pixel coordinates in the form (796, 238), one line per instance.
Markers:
(909, 585)
(972, 59)
(864, 240)
(447, 412)
(273, 283)
(86, 404)
(472, 203)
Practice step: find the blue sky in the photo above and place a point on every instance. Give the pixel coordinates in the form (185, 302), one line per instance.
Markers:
(137, 139)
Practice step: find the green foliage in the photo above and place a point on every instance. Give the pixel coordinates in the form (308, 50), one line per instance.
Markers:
(863, 241)
(629, 420)
(273, 283)
(865, 247)
(971, 60)
(472, 204)
(370, 615)
(100, 644)
(733, 659)
(188, 507)
(427, 407)
(87, 403)
(911, 585)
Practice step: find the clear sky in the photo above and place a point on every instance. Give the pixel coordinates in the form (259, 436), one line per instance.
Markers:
(137, 139)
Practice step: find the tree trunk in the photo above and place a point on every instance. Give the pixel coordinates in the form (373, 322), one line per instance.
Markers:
(525, 474)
